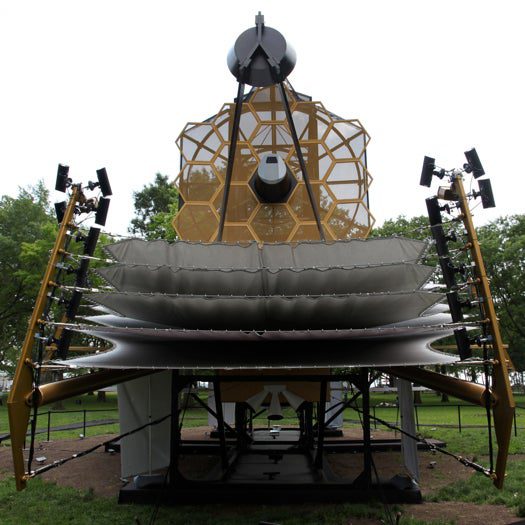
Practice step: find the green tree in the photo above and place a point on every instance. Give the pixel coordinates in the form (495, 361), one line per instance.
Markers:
(27, 232)
(503, 247)
(414, 228)
(155, 206)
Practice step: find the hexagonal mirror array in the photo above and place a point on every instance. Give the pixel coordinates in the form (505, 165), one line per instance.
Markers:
(334, 153)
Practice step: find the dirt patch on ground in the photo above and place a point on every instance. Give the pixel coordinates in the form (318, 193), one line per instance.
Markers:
(100, 472)
(463, 513)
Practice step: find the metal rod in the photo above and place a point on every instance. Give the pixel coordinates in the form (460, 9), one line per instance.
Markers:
(459, 418)
(84, 423)
(48, 425)
(308, 425)
(231, 157)
(320, 424)
(220, 423)
(175, 434)
(210, 411)
(487, 402)
(341, 409)
(367, 438)
(300, 158)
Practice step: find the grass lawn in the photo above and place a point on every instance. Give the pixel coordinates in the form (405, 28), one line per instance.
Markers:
(475, 490)
(40, 501)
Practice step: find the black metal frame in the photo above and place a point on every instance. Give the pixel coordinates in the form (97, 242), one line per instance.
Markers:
(320, 484)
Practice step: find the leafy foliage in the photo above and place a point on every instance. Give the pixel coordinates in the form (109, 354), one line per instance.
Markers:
(27, 232)
(155, 206)
(414, 228)
(503, 247)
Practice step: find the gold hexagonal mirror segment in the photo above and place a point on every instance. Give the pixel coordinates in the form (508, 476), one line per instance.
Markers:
(199, 142)
(309, 232)
(196, 222)
(241, 203)
(300, 202)
(316, 157)
(237, 233)
(246, 162)
(349, 220)
(198, 182)
(273, 223)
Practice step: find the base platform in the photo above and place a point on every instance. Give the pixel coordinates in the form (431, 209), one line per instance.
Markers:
(273, 470)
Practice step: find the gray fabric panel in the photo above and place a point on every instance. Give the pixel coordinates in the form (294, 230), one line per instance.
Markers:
(120, 321)
(405, 396)
(128, 322)
(424, 320)
(165, 279)
(141, 401)
(176, 335)
(250, 255)
(433, 318)
(147, 355)
(266, 313)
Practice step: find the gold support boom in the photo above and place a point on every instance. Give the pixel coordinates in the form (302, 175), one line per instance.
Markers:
(504, 409)
(17, 407)
(76, 386)
(470, 392)
(24, 393)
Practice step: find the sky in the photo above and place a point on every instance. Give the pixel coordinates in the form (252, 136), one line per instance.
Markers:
(111, 83)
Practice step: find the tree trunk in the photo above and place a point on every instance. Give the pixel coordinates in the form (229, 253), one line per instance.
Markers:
(101, 396)
(417, 397)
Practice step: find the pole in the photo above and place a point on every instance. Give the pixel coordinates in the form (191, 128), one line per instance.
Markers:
(320, 424)
(367, 439)
(175, 436)
(220, 422)
(300, 158)
(231, 158)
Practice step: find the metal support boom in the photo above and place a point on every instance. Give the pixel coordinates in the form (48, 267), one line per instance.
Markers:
(17, 406)
(505, 406)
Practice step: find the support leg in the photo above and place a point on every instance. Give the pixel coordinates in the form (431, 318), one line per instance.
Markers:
(231, 158)
(320, 425)
(309, 425)
(240, 425)
(300, 158)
